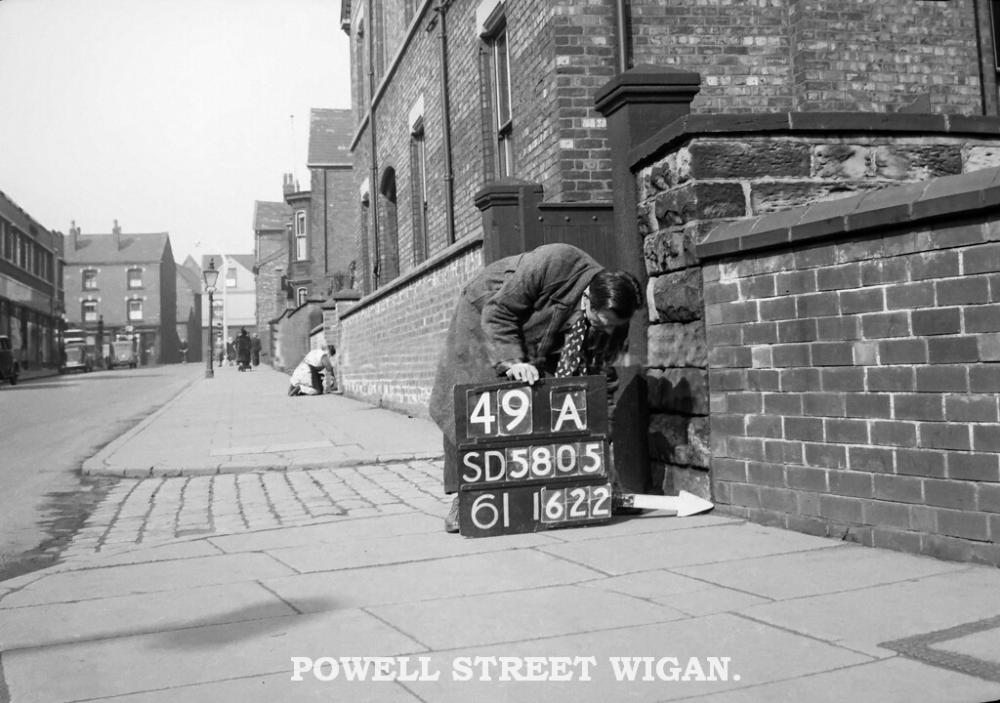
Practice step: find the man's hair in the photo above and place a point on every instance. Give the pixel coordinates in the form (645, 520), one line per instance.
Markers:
(617, 291)
(330, 349)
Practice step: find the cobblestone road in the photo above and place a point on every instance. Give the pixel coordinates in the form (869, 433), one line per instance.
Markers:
(156, 510)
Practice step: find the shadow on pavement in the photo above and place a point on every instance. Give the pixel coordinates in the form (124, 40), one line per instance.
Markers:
(246, 623)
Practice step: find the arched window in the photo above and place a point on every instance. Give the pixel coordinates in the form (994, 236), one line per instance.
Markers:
(388, 255)
(301, 296)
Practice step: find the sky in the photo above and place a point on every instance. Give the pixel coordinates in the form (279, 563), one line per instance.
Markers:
(166, 115)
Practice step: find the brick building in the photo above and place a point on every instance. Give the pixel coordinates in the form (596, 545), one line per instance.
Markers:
(332, 242)
(120, 281)
(685, 149)
(31, 286)
(322, 246)
(271, 226)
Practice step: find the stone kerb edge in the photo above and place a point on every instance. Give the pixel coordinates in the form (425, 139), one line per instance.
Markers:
(97, 465)
(286, 466)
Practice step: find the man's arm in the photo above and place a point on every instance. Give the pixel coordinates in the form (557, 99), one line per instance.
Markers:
(523, 292)
(331, 377)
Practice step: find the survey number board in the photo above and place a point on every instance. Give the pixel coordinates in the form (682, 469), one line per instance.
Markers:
(532, 457)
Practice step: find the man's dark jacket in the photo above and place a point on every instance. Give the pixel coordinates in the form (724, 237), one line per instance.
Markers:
(516, 309)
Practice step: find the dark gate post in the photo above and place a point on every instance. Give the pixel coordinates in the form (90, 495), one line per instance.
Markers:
(636, 104)
(510, 218)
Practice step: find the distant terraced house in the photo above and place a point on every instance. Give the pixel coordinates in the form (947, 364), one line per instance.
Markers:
(124, 285)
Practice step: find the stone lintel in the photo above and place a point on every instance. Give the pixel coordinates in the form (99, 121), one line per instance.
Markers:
(910, 205)
(798, 123)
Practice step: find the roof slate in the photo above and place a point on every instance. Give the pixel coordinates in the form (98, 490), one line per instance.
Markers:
(269, 215)
(101, 248)
(190, 277)
(244, 260)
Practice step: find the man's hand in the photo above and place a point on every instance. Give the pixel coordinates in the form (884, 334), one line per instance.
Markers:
(523, 371)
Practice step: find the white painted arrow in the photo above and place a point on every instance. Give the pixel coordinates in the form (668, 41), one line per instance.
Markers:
(684, 503)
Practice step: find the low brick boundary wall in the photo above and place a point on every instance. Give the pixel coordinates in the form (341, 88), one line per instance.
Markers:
(390, 340)
(854, 367)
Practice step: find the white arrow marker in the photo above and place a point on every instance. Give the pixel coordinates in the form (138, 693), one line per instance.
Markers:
(683, 504)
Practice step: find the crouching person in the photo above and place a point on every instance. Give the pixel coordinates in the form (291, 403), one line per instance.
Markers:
(307, 378)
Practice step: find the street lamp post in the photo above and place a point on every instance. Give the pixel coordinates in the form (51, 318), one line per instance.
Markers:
(211, 277)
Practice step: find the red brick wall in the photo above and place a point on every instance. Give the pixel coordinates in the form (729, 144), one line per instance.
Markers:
(853, 55)
(332, 240)
(582, 35)
(855, 388)
(389, 344)
(341, 249)
(271, 297)
(559, 139)
(293, 331)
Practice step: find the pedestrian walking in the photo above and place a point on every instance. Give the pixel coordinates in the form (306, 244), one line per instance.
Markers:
(255, 349)
(230, 352)
(553, 311)
(243, 345)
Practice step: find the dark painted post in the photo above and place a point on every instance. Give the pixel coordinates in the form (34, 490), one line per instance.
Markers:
(510, 218)
(636, 104)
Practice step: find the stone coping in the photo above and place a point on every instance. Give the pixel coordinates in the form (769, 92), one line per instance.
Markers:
(439, 259)
(873, 211)
(726, 124)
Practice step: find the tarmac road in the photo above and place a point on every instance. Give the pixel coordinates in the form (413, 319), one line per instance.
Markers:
(48, 427)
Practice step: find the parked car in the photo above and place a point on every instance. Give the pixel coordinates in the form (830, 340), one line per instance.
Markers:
(78, 358)
(9, 368)
(122, 354)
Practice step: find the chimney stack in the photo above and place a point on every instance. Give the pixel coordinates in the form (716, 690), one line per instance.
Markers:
(116, 235)
(74, 235)
(288, 184)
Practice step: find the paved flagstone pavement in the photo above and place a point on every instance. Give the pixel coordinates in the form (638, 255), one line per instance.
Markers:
(257, 582)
